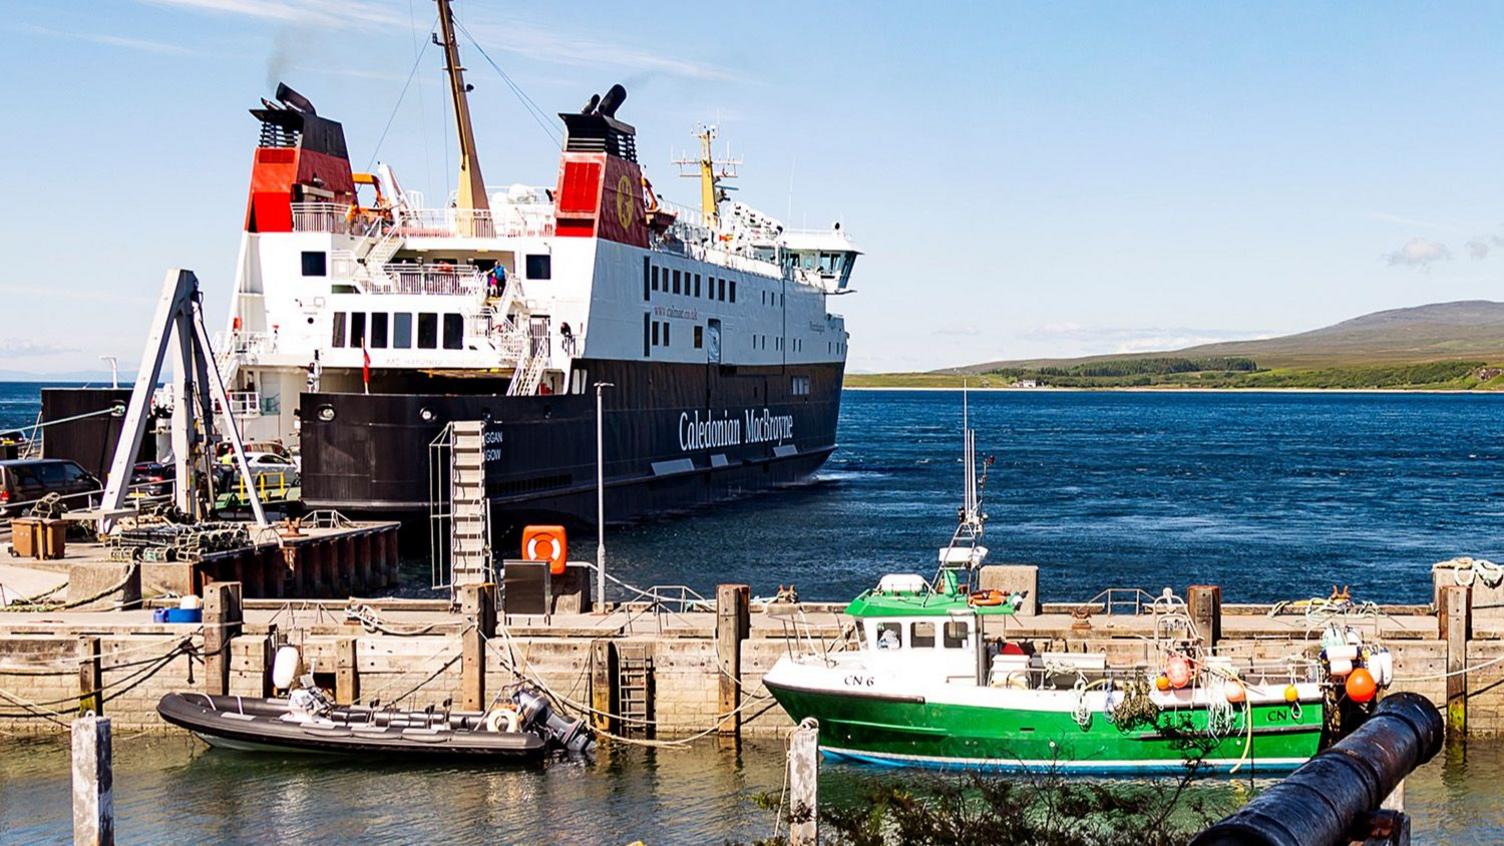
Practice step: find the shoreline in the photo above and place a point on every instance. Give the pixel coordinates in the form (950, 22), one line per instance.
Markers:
(1177, 390)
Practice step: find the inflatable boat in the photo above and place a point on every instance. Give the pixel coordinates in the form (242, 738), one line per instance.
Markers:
(522, 729)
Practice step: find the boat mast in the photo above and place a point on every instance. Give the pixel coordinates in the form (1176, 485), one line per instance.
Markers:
(710, 172)
(470, 201)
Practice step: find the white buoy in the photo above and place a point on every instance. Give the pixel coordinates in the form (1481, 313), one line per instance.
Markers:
(286, 668)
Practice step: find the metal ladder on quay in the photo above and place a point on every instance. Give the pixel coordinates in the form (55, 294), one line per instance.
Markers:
(634, 685)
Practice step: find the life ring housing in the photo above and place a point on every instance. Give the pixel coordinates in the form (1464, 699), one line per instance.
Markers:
(986, 598)
(546, 543)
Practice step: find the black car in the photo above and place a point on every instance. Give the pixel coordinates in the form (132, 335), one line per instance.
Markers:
(153, 478)
(23, 481)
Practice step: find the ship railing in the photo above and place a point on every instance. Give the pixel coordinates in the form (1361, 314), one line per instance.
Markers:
(243, 342)
(245, 403)
(439, 279)
(1117, 600)
(804, 639)
(321, 217)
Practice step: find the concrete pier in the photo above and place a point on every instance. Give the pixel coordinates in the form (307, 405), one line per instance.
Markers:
(644, 673)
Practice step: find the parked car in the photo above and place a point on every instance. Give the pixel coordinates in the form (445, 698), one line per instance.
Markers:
(153, 478)
(25, 480)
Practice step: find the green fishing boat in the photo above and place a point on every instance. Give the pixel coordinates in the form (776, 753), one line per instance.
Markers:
(928, 677)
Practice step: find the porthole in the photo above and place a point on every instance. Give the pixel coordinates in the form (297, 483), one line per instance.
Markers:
(326, 412)
(426, 415)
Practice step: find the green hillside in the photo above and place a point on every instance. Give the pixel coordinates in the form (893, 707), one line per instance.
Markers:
(1444, 346)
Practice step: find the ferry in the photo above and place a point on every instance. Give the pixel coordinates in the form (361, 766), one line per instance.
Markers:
(365, 319)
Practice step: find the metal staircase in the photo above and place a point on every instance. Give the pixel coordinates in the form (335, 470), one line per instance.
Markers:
(528, 375)
(470, 551)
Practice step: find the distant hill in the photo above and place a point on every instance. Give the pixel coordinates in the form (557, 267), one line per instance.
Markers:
(1469, 329)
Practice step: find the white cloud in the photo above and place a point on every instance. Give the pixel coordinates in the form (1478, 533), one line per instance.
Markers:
(1478, 249)
(23, 347)
(1130, 339)
(140, 44)
(1419, 252)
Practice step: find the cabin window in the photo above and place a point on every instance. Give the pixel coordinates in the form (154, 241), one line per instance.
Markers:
(722, 296)
(955, 634)
(800, 387)
(378, 330)
(454, 332)
(402, 331)
(315, 263)
(697, 284)
(699, 336)
(665, 333)
(655, 283)
(540, 267)
(889, 635)
(733, 290)
(338, 339)
(764, 297)
(357, 329)
(428, 330)
(676, 281)
(655, 333)
(922, 636)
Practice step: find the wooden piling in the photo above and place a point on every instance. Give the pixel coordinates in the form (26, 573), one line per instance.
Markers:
(346, 672)
(364, 578)
(1454, 622)
(90, 677)
(1204, 603)
(603, 693)
(732, 623)
(222, 622)
(93, 783)
(804, 781)
(478, 606)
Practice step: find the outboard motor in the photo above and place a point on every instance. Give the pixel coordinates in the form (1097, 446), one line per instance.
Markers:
(572, 735)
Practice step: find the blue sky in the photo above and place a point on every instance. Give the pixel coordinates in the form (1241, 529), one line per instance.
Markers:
(1027, 179)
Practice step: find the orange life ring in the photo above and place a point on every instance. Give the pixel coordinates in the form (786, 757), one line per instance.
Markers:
(986, 598)
(546, 543)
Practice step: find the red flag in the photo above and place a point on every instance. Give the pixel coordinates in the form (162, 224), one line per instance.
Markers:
(365, 368)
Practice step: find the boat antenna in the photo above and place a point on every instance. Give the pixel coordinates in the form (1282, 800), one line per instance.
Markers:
(470, 200)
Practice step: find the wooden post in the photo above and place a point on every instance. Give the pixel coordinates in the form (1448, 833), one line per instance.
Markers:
(346, 672)
(804, 785)
(93, 783)
(1454, 622)
(222, 622)
(90, 677)
(478, 605)
(1205, 605)
(603, 677)
(364, 580)
(731, 626)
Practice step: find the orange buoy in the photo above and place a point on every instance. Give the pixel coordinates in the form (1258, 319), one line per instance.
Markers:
(546, 543)
(1360, 685)
(1162, 683)
(986, 598)
(1292, 693)
(1234, 691)
(1178, 670)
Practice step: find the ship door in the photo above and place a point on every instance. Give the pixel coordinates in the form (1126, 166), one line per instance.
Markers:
(538, 333)
(713, 341)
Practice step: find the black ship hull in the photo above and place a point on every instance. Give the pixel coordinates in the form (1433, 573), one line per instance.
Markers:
(677, 437)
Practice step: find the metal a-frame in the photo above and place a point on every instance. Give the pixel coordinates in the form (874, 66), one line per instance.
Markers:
(197, 388)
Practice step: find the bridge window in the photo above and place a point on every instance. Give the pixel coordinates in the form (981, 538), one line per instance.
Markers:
(955, 634)
(315, 263)
(402, 331)
(540, 267)
(922, 636)
(428, 330)
(454, 332)
(889, 635)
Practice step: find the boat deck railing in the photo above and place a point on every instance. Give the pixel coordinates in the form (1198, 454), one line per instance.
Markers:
(513, 221)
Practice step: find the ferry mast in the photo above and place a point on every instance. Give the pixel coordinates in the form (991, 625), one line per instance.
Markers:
(470, 200)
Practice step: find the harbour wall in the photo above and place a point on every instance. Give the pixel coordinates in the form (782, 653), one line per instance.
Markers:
(644, 672)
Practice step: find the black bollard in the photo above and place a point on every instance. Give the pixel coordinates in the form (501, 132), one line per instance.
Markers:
(1328, 800)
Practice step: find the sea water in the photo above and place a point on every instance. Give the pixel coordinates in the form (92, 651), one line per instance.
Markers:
(1273, 496)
